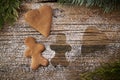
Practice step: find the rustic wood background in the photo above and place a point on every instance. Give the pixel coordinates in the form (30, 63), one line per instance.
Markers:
(68, 27)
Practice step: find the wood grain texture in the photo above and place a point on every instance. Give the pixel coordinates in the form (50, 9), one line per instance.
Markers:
(72, 21)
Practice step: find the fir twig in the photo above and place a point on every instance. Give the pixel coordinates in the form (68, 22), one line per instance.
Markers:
(106, 5)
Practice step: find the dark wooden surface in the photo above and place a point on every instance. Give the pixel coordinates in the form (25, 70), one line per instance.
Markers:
(77, 47)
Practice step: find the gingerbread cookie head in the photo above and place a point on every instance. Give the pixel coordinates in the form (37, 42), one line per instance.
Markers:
(40, 19)
(34, 50)
(29, 41)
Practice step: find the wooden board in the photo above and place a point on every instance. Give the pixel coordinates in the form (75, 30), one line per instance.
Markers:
(69, 30)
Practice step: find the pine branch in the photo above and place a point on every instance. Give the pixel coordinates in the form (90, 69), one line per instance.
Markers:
(106, 5)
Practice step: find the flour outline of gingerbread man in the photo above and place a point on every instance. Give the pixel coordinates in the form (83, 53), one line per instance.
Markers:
(60, 47)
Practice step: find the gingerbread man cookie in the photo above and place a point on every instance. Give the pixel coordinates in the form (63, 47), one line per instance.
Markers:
(34, 50)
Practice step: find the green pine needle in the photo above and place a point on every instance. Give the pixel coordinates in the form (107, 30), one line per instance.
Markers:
(110, 71)
(8, 11)
(106, 5)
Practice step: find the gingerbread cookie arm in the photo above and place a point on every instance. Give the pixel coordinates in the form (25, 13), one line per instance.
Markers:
(27, 53)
